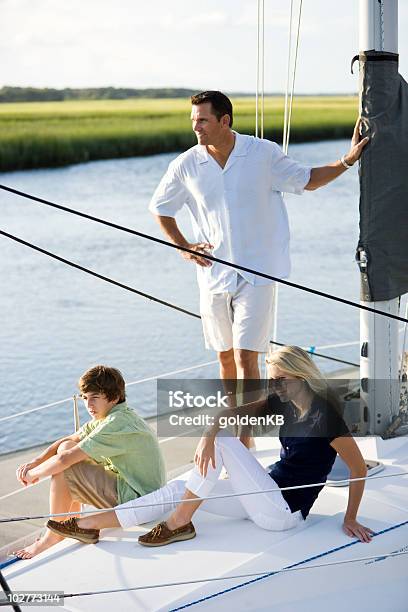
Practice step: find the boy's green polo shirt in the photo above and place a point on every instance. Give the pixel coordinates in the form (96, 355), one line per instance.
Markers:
(123, 443)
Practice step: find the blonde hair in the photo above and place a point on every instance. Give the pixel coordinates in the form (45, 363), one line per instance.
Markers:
(295, 361)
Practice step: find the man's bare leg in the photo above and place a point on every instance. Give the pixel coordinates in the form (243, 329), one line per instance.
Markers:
(246, 364)
(238, 364)
(60, 501)
(228, 375)
(228, 368)
(247, 370)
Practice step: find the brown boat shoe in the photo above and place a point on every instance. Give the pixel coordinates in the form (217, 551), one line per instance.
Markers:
(71, 529)
(162, 535)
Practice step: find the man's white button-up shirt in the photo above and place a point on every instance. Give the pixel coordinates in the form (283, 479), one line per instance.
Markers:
(238, 209)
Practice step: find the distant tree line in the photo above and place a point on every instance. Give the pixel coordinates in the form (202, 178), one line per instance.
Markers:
(36, 94)
(48, 94)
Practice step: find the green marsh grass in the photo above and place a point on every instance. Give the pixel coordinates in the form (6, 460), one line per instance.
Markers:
(46, 134)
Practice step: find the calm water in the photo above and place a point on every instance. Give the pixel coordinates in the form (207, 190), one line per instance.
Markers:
(56, 321)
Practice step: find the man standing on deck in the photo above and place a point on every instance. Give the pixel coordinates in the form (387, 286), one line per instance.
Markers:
(232, 185)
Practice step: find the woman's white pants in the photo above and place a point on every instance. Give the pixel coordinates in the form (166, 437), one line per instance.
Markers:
(246, 474)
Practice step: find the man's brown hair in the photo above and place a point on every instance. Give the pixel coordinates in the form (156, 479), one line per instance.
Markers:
(103, 379)
(221, 105)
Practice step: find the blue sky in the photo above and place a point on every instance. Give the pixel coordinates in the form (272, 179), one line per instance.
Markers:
(157, 43)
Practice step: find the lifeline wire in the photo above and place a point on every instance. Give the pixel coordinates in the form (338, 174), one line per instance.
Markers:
(179, 248)
(293, 565)
(151, 378)
(128, 384)
(310, 350)
(180, 501)
(218, 578)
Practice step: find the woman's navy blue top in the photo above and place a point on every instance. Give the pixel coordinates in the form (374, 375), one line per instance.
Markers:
(306, 455)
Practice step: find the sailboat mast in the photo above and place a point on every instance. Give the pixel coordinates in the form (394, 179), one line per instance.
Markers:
(378, 25)
(378, 335)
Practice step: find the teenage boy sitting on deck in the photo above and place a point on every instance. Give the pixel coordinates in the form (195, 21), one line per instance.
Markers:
(111, 459)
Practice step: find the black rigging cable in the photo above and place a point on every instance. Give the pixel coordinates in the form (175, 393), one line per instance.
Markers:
(92, 273)
(313, 353)
(186, 250)
(145, 295)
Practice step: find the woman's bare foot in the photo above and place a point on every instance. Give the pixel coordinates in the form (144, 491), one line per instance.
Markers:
(46, 541)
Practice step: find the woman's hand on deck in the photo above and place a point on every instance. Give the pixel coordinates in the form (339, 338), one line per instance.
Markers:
(354, 529)
(205, 452)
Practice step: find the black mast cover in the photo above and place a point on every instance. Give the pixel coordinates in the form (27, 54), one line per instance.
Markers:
(384, 177)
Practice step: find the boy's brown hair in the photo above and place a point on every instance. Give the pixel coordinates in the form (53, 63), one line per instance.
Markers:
(103, 379)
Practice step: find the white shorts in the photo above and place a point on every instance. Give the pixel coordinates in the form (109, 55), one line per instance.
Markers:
(240, 320)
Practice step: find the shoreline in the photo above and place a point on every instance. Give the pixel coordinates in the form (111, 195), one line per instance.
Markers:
(56, 134)
(85, 151)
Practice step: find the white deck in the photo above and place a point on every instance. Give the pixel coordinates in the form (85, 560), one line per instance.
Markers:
(227, 547)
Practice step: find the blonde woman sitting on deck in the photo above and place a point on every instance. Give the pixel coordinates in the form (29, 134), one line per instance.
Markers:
(311, 437)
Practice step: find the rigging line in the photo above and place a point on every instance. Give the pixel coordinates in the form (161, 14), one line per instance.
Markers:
(351, 363)
(340, 344)
(285, 120)
(258, 29)
(187, 250)
(21, 489)
(235, 266)
(293, 565)
(378, 557)
(163, 302)
(195, 367)
(100, 276)
(285, 148)
(16, 414)
(293, 79)
(129, 384)
(263, 71)
(17, 519)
